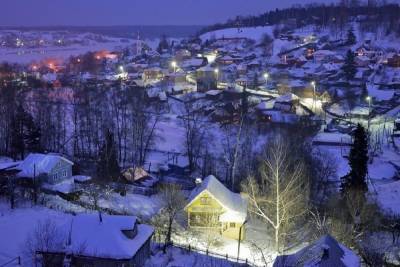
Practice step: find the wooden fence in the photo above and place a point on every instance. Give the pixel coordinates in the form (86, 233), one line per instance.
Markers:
(190, 248)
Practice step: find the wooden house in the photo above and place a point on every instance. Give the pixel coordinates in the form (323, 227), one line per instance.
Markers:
(324, 252)
(394, 61)
(214, 207)
(154, 73)
(101, 240)
(49, 168)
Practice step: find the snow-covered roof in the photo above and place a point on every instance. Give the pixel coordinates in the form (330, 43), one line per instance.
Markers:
(36, 163)
(289, 97)
(49, 77)
(324, 252)
(106, 239)
(9, 164)
(65, 186)
(332, 138)
(324, 53)
(193, 62)
(206, 69)
(234, 204)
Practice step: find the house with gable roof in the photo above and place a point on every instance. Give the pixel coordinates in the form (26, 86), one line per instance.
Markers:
(213, 206)
(49, 168)
(101, 240)
(326, 251)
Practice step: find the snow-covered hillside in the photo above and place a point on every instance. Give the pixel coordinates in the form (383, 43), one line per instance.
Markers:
(254, 33)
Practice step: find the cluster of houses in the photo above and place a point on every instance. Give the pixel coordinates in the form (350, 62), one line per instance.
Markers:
(222, 69)
(119, 240)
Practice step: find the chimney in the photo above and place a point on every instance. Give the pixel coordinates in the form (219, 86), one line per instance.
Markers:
(198, 181)
(325, 252)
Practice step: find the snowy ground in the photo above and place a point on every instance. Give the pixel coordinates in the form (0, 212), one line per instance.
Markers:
(16, 226)
(255, 33)
(141, 206)
(176, 257)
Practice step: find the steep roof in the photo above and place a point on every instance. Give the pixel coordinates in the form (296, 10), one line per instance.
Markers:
(36, 163)
(235, 204)
(326, 252)
(105, 239)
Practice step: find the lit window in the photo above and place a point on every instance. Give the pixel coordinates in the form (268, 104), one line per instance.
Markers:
(204, 200)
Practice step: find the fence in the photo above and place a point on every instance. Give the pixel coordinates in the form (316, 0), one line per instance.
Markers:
(189, 248)
(16, 260)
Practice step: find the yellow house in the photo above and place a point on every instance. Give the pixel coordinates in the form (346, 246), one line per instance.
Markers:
(212, 206)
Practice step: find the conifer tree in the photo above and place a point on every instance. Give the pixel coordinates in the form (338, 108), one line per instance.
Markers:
(351, 38)
(32, 135)
(349, 67)
(358, 161)
(107, 165)
(17, 133)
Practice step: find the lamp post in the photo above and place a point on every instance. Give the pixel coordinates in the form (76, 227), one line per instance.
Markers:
(313, 85)
(173, 64)
(240, 237)
(121, 68)
(216, 71)
(266, 76)
(369, 99)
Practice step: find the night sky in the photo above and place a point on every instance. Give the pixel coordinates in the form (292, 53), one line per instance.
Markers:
(131, 12)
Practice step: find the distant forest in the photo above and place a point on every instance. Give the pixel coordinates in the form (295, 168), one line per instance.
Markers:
(371, 15)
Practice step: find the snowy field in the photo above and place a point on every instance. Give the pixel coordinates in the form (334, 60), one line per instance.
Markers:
(16, 226)
(26, 55)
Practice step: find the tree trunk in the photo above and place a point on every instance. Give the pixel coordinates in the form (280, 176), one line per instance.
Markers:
(168, 236)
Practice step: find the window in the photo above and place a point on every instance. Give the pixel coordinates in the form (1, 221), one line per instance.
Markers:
(205, 201)
(232, 225)
(65, 174)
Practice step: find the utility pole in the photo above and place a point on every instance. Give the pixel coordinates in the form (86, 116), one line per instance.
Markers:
(240, 237)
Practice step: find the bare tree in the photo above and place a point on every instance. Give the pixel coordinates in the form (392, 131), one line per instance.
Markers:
(143, 125)
(194, 135)
(279, 196)
(48, 239)
(94, 196)
(174, 201)
(232, 145)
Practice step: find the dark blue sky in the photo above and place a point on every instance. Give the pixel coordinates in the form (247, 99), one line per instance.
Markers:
(131, 12)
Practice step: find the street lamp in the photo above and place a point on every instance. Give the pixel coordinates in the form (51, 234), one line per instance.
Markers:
(121, 68)
(314, 86)
(266, 76)
(216, 71)
(173, 64)
(369, 99)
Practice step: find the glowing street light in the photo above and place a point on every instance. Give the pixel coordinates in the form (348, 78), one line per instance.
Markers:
(314, 87)
(266, 76)
(173, 64)
(121, 68)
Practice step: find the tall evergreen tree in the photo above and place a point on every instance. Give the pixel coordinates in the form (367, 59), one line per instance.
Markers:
(349, 67)
(358, 161)
(351, 38)
(107, 165)
(32, 135)
(17, 133)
